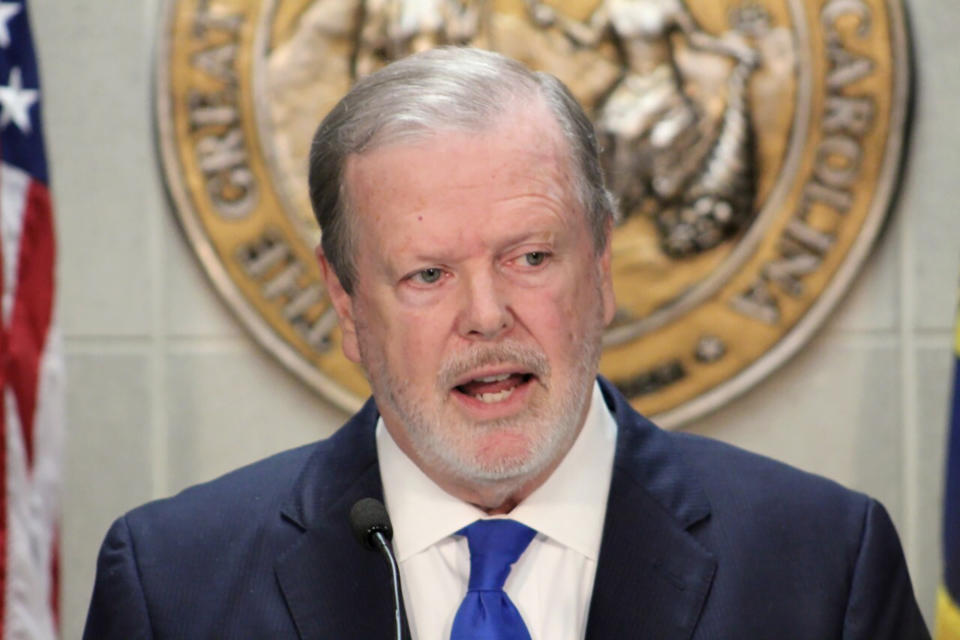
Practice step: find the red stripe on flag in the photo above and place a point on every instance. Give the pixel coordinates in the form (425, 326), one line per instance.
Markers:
(32, 308)
(4, 530)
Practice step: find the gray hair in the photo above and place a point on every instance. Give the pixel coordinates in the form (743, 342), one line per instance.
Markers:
(449, 88)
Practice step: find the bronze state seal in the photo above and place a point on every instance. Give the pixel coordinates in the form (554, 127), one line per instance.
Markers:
(754, 147)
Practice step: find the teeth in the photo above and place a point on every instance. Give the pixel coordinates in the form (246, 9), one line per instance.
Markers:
(490, 398)
(499, 378)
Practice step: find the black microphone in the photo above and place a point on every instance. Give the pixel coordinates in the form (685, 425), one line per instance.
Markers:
(371, 526)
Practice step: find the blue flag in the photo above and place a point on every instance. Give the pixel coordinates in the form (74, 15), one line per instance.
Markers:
(948, 611)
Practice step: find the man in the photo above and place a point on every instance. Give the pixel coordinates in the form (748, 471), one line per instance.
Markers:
(466, 251)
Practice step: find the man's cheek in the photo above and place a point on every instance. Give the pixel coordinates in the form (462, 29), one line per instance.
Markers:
(561, 307)
(418, 345)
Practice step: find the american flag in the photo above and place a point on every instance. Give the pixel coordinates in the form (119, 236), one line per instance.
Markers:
(31, 362)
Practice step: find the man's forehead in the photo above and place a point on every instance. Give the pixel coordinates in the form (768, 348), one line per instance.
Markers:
(530, 126)
(442, 161)
(511, 167)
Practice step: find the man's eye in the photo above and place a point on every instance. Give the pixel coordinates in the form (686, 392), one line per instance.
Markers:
(535, 258)
(428, 276)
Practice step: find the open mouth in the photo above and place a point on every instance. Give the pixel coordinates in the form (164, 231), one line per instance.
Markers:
(492, 389)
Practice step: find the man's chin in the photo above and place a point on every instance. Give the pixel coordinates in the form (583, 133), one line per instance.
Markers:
(495, 488)
(502, 464)
(498, 471)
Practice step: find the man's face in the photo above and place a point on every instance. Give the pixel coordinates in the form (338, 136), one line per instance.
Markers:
(479, 301)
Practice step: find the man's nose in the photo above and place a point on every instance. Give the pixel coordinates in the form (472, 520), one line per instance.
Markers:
(485, 313)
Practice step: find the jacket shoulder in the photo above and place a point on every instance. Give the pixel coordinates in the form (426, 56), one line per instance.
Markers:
(728, 473)
(258, 492)
(190, 564)
(235, 497)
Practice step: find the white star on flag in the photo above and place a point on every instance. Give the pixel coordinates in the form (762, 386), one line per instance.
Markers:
(15, 102)
(7, 11)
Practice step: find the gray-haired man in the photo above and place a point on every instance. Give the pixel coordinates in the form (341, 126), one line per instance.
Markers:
(466, 251)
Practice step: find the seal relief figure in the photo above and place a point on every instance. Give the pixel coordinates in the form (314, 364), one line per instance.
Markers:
(392, 29)
(752, 145)
(696, 176)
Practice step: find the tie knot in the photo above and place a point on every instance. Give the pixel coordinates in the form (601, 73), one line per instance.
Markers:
(494, 546)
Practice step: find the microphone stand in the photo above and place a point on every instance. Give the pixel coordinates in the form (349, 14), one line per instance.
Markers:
(371, 526)
(384, 546)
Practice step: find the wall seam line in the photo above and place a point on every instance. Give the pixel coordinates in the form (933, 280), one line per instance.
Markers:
(159, 432)
(910, 404)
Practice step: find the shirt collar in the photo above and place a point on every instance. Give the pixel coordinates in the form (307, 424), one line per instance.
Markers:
(423, 514)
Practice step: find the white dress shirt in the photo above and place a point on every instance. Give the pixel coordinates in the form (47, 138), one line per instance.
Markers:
(551, 583)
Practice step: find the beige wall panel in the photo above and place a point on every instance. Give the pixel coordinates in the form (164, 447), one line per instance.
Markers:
(108, 404)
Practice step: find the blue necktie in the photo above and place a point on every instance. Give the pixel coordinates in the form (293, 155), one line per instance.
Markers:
(486, 612)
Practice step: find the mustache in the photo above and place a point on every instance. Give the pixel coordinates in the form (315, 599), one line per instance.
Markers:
(522, 356)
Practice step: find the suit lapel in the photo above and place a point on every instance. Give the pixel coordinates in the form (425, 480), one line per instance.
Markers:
(652, 577)
(335, 588)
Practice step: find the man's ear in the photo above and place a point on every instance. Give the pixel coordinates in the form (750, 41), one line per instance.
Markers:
(343, 305)
(606, 279)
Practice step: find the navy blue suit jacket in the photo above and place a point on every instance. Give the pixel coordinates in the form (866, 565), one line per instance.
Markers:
(701, 541)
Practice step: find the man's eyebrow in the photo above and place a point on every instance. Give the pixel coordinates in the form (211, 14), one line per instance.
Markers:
(449, 252)
(539, 235)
